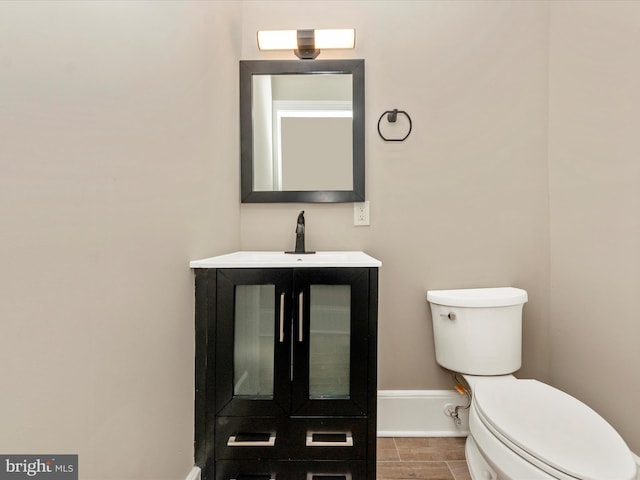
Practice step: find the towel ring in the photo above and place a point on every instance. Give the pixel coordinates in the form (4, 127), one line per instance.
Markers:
(392, 116)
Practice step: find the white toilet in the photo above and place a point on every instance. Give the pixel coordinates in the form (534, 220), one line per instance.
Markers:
(519, 429)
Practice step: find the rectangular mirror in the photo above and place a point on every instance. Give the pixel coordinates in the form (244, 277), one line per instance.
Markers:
(302, 131)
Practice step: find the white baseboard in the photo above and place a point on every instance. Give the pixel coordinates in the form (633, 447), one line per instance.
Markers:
(194, 474)
(420, 413)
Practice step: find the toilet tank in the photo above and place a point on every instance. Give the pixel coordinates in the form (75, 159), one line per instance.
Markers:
(478, 331)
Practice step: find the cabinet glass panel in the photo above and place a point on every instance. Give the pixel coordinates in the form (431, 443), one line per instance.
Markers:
(330, 341)
(254, 340)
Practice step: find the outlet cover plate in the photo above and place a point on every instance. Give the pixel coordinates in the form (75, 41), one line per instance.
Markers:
(361, 213)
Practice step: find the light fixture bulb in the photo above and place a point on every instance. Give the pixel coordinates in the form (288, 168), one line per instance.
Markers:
(336, 38)
(323, 39)
(277, 40)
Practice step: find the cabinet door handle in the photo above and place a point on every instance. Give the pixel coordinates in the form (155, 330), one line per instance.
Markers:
(300, 316)
(252, 440)
(281, 317)
(317, 439)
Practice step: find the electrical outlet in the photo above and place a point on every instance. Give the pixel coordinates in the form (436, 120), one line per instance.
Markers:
(361, 213)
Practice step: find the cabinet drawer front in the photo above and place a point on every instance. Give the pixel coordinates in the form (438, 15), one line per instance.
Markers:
(316, 470)
(245, 437)
(329, 438)
(288, 470)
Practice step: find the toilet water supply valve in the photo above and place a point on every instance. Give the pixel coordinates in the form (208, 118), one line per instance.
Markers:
(453, 410)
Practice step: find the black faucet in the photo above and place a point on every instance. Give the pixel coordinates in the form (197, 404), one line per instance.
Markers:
(300, 235)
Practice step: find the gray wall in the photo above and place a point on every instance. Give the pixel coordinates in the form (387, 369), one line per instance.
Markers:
(115, 170)
(594, 174)
(464, 201)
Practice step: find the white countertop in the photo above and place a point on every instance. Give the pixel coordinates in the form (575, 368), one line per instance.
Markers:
(286, 260)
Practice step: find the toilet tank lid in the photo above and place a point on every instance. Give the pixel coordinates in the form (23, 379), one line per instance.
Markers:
(478, 297)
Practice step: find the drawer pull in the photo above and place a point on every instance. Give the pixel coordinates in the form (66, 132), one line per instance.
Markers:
(254, 477)
(317, 439)
(252, 440)
(328, 476)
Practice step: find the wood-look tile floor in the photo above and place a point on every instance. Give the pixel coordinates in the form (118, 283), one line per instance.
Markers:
(421, 458)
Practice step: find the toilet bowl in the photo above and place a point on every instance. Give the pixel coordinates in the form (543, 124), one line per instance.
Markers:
(520, 429)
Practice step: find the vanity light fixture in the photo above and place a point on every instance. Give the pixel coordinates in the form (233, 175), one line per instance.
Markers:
(306, 43)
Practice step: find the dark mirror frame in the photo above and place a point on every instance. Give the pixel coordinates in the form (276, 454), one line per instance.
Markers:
(248, 68)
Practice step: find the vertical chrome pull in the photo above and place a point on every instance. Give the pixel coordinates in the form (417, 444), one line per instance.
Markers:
(300, 316)
(281, 317)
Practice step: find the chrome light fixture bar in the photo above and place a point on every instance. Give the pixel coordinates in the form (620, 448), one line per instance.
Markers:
(306, 43)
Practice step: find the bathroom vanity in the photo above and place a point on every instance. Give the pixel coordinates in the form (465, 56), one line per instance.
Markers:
(286, 366)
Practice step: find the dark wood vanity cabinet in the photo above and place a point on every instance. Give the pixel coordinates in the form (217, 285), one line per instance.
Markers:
(286, 373)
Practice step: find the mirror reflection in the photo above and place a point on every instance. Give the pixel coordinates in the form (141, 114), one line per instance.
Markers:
(302, 131)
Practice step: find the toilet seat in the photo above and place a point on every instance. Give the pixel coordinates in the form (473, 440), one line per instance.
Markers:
(552, 430)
